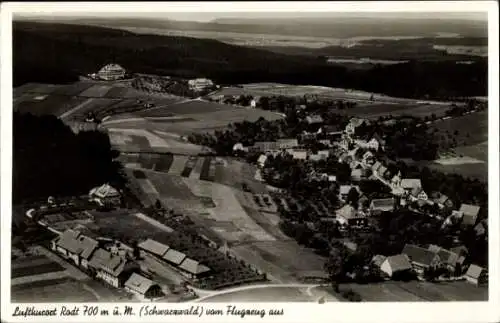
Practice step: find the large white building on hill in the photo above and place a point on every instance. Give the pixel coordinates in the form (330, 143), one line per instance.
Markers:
(111, 72)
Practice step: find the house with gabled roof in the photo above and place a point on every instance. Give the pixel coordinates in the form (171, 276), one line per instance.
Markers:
(192, 268)
(376, 143)
(153, 247)
(476, 275)
(111, 268)
(377, 206)
(396, 265)
(344, 191)
(448, 258)
(353, 124)
(349, 216)
(105, 195)
(143, 287)
(442, 201)
(481, 228)
(314, 119)
(409, 184)
(470, 213)
(378, 260)
(421, 258)
(174, 257)
(75, 246)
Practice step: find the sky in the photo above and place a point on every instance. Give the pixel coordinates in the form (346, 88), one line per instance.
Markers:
(209, 16)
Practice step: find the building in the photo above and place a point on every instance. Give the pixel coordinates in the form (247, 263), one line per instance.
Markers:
(448, 258)
(200, 84)
(378, 260)
(376, 143)
(418, 194)
(470, 213)
(408, 184)
(377, 206)
(300, 154)
(142, 287)
(111, 72)
(265, 146)
(110, 268)
(350, 129)
(105, 195)
(421, 258)
(442, 201)
(476, 275)
(481, 229)
(239, 147)
(287, 143)
(314, 119)
(174, 257)
(349, 216)
(357, 174)
(74, 246)
(193, 269)
(344, 191)
(396, 265)
(262, 160)
(153, 247)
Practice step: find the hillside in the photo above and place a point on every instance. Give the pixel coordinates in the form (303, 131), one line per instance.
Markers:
(64, 51)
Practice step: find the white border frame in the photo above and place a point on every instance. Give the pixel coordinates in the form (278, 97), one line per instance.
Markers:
(294, 312)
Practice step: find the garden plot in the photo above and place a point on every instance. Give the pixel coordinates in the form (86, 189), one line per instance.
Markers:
(153, 140)
(228, 209)
(178, 165)
(96, 91)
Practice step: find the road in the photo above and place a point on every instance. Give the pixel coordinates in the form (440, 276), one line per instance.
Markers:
(207, 294)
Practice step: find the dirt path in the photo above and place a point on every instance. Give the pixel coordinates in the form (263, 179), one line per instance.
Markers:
(82, 105)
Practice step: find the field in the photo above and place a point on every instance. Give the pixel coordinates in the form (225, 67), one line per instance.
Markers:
(52, 291)
(34, 265)
(419, 291)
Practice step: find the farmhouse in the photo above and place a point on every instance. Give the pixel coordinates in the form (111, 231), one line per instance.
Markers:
(396, 265)
(75, 246)
(378, 260)
(143, 287)
(470, 213)
(105, 195)
(377, 206)
(476, 275)
(192, 268)
(376, 143)
(349, 216)
(417, 193)
(265, 146)
(111, 72)
(112, 269)
(300, 154)
(408, 184)
(421, 258)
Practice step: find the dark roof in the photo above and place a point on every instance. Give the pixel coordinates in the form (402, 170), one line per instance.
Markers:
(139, 283)
(174, 256)
(419, 255)
(77, 243)
(383, 204)
(399, 262)
(154, 247)
(193, 267)
(107, 261)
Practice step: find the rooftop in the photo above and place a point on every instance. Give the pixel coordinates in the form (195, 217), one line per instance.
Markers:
(419, 255)
(399, 262)
(154, 247)
(409, 183)
(174, 256)
(474, 271)
(139, 283)
(193, 267)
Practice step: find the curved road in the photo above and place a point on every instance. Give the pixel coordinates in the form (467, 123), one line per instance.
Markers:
(206, 294)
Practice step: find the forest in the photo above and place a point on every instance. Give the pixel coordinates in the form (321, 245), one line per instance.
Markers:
(49, 159)
(66, 51)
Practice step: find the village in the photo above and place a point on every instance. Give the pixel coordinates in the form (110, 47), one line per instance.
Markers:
(167, 263)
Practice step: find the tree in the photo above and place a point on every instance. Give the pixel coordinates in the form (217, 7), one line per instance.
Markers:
(353, 197)
(335, 267)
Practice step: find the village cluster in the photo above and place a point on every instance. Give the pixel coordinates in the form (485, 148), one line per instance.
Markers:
(408, 193)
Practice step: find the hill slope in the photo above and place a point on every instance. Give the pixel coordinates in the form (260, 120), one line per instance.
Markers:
(64, 51)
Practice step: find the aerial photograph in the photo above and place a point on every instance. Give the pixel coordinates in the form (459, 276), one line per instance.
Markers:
(249, 157)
